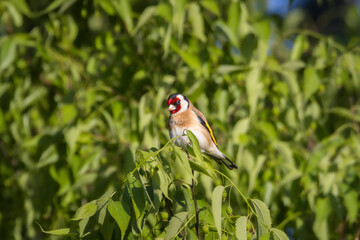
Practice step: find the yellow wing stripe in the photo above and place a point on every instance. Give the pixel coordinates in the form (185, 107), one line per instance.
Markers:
(206, 125)
(211, 133)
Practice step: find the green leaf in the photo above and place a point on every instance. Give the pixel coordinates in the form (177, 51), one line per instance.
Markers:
(227, 32)
(175, 224)
(211, 6)
(167, 39)
(346, 113)
(53, 5)
(311, 82)
(195, 150)
(263, 217)
(240, 228)
(121, 217)
(266, 236)
(49, 156)
(240, 128)
(253, 89)
(22, 6)
(161, 181)
(293, 65)
(137, 195)
(15, 14)
(255, 172)
(145, 16)
(195, 145)
(321, 229)
(322, 208)
(216, 202)
(85, 211)
(233, 14)
(352, 205)
(197, 21)
(189, 58)
(297, 48)
(178, 17)
(60, 231)
(123, 8)
(107, 6)
(82, 227)
(7, 52)
(37, 94)
(190, 234)
(226, 69)
(268, 129)
(197, 167)
(278, 234)
(182, 158)
(352, 61)
(222, 100)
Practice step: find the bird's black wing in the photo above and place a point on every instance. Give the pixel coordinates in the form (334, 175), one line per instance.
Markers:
(206, 125)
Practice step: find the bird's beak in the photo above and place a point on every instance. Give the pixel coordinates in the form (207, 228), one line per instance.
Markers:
(171, 107)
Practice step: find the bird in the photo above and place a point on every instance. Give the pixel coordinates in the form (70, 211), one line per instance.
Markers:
(184, 116)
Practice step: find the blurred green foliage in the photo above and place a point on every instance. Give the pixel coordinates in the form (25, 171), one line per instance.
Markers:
(83, 86)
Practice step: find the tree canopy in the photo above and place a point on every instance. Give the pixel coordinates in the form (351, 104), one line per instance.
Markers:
(84, 145)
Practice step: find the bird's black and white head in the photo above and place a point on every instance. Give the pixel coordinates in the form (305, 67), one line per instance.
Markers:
(177, 103)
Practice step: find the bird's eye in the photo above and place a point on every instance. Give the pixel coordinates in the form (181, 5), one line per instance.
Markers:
(177, 102)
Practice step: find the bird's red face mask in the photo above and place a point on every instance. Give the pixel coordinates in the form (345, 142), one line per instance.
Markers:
(174, 105)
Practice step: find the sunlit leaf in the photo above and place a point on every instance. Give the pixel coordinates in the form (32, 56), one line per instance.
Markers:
(293, 65)
(278, 234)
(240, 227)
(178, 16)
(61, 231)
(121, 217)
(297, 49)
(216, 203)
(195, 145)
(352, 204)
(311, 82)
(197, 21)
(85, 211)
(53, 5)
(191, 59)
(322, 208)
(263, 217)
(7, 53)
(226, 69)
(211, 6)
(253, 88)
(227, 33)
(346, 113)
(22, 6)
(15, 14)
(175, 224)
(123, 8)
(145, 17)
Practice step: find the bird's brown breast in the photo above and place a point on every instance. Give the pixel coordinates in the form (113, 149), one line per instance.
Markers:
(183, 120)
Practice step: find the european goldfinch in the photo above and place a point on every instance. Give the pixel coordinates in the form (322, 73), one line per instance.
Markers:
(183, 115)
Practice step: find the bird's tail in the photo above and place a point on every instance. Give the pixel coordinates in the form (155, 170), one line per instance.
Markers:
(227, 162)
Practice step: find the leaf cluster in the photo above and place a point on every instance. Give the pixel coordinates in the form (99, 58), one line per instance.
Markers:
(83, 86)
